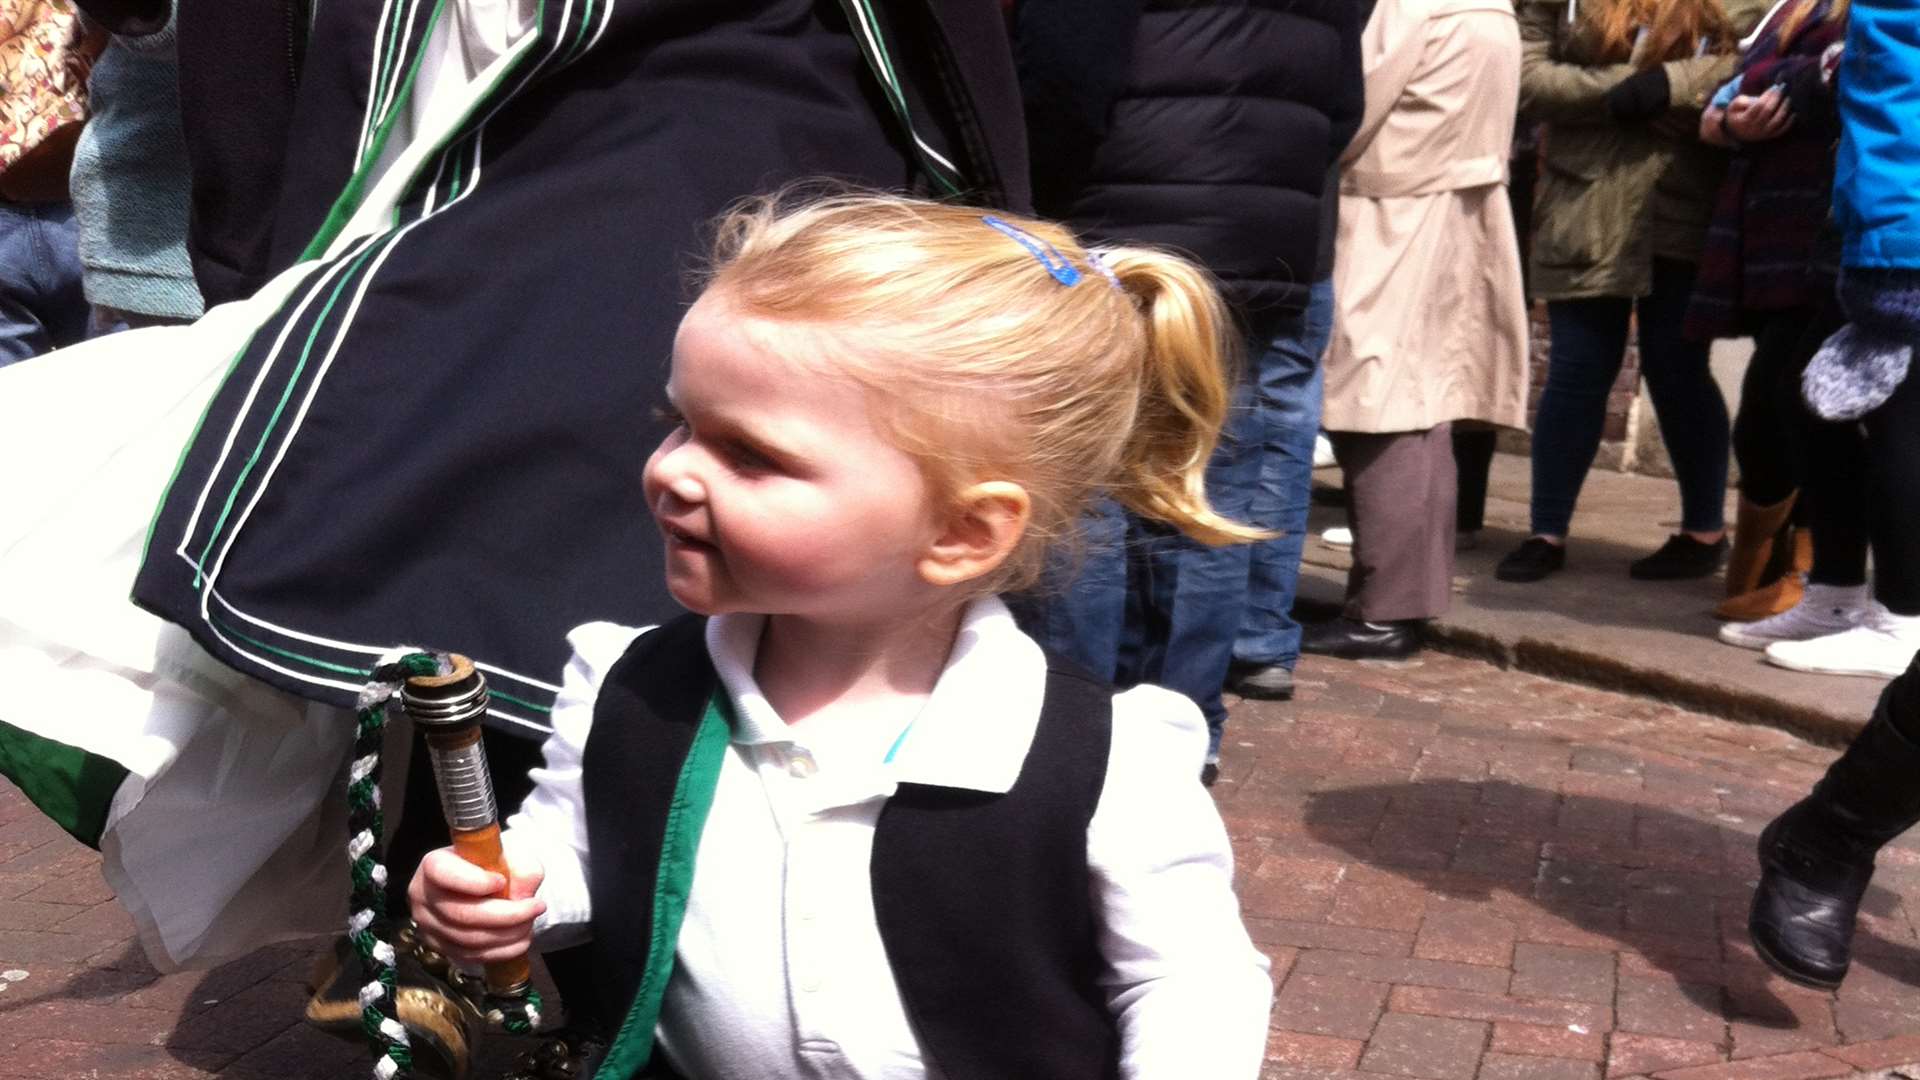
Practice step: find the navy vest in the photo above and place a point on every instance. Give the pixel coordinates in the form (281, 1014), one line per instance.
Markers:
(982, 899)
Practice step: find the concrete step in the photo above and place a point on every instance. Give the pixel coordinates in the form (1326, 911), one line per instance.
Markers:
(1593, 624)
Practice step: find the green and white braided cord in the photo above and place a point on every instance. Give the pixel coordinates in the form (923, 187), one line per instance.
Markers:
(369, 927)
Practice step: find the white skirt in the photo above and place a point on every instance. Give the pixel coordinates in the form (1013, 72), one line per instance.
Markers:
(228, 830)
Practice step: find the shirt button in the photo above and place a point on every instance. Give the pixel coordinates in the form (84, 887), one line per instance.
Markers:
(810, 984)
(801, 766)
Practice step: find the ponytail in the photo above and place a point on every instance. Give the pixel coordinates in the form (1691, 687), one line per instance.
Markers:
(1186, 389)
(1000, 347)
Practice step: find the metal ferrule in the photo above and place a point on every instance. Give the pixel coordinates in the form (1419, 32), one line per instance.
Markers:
(465, 706)
(466, 788)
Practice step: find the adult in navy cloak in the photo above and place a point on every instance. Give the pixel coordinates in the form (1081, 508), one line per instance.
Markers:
(423, 419)
(440, 440)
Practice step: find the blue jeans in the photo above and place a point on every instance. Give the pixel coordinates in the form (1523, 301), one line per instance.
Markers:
(1287, 380)
(41, 305)
(1144, 604)
(1589, 342)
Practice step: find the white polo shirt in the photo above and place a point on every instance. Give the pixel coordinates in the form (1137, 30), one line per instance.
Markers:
(781, 973)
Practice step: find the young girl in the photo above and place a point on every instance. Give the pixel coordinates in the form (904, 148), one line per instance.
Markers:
(854, 823)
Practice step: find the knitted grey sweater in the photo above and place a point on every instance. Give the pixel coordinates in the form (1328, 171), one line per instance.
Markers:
(131, 185)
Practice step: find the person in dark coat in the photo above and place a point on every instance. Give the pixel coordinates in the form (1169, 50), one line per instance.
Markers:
(1213, 129)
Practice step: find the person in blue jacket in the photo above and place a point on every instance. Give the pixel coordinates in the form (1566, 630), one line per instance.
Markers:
(1817, 857)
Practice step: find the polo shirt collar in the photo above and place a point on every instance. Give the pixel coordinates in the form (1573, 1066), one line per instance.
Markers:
(974, 730)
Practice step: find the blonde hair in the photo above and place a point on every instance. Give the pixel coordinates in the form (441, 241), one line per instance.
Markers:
(1675, 29)
(986, 366)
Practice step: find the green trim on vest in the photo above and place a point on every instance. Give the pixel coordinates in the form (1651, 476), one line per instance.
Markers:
(693, 792)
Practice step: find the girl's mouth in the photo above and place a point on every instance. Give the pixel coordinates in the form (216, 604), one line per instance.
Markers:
(679, 537)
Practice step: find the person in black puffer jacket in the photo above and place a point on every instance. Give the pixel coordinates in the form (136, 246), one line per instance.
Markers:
(1212, 129)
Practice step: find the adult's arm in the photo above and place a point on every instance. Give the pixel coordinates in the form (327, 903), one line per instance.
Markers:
(1391, 53)
(1876, 202)
(128, 18)
(1876, 190)
(1351, 96)
(1562, 92)
(1557, 90)
(1072, 58)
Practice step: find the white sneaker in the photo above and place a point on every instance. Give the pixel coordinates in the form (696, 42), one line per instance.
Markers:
(1338, 536)
(1323, 452)
(1881, 645)
(1822, 610)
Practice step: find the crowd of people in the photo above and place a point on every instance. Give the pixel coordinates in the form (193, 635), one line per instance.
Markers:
(385, 308)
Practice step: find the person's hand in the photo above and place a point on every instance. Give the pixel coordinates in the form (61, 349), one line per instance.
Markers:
(1712, 128)
(1752, 119)
(458, 912)
(1640, 97)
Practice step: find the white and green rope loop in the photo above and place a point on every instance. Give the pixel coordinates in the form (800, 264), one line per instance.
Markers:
(369, 926)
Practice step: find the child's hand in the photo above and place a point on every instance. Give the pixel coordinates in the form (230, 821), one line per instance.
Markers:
(455, 906)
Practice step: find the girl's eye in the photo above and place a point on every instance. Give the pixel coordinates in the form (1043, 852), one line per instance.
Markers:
(746, 457)
(668, 415)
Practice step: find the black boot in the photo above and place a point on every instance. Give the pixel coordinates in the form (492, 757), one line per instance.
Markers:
(1817, 858)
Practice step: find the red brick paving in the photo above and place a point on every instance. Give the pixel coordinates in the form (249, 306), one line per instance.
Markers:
(1547, 879)
(1459, 872)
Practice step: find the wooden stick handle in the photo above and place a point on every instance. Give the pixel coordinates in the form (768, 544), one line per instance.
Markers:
(481, 847)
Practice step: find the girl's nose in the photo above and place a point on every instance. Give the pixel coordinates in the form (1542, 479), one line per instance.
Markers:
(675, 470)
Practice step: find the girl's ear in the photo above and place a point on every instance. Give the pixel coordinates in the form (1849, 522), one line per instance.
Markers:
(984, 527)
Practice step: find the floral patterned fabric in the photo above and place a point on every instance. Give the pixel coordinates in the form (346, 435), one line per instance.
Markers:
(45, 55)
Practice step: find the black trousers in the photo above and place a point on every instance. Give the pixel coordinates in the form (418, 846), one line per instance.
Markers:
(1473, 450)
(1892, 498)
(1782, 446)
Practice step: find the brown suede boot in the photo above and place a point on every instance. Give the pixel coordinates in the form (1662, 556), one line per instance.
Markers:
(1783, 593)
(1754, 530)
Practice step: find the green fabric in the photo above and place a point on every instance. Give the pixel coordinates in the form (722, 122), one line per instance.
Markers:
(1613, 197)
(693, 791)
(69, 785)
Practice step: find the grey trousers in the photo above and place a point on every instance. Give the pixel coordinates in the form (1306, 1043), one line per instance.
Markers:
(1401, 505)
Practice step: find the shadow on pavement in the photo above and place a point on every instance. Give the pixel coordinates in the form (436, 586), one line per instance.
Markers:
(1668, 889)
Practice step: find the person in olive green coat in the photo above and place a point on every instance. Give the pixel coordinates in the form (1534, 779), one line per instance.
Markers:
(1620, 219)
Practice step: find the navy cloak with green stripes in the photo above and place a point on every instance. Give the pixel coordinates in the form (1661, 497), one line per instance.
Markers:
(438, 439)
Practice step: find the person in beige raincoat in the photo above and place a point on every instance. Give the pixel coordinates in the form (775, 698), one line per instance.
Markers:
(1431, 323)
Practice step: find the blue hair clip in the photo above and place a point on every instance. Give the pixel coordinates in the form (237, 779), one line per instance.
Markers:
(1048, 256)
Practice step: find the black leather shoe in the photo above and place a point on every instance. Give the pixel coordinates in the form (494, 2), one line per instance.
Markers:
(1354, 639)
(1681, 557)
(1816, 858)
(1262, 682)
(1531, 561)
(1804, 910)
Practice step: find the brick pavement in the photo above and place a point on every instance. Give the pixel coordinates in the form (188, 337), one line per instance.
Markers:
(1460, 874)
(1465, 873)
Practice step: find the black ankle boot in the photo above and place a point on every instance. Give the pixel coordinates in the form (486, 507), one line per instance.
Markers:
(1817, 858)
